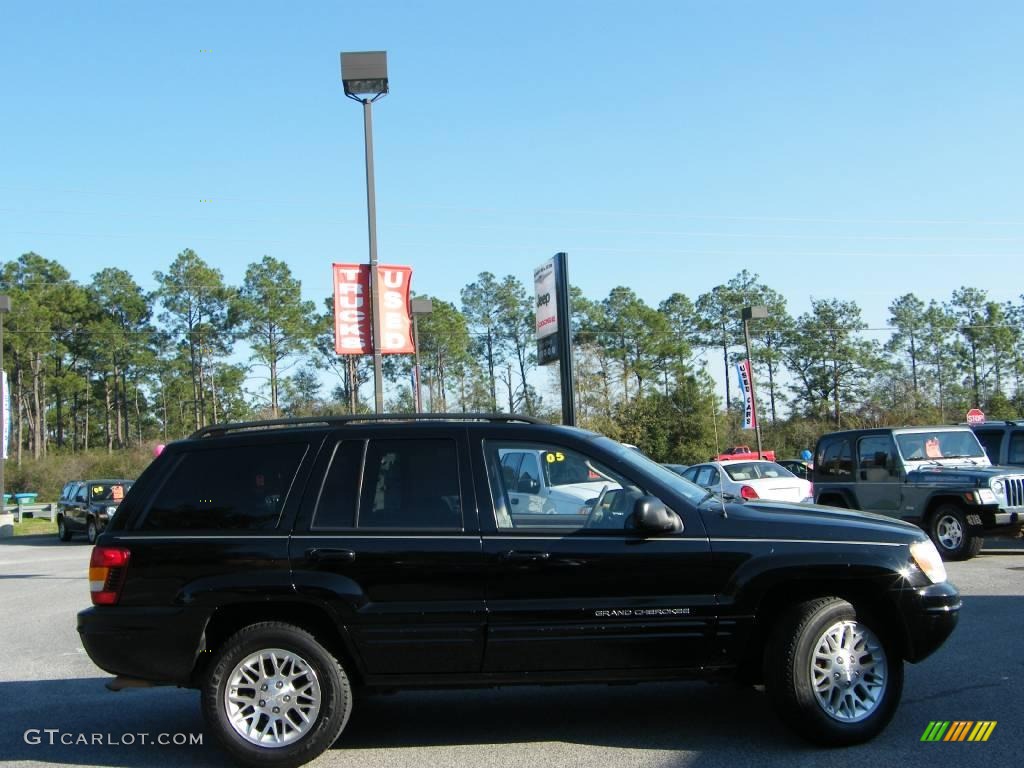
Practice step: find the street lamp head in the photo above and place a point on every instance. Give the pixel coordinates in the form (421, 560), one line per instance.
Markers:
(364, 73)
(421, 306)
(760, 312)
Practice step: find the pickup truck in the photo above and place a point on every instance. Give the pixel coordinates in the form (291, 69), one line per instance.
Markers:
(743, 452)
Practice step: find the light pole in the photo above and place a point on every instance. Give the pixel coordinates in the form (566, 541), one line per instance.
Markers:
(759, 312)
(418, 307)
(367, 73)
(5, 307)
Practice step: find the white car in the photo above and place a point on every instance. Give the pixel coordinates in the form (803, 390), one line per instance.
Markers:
(747, 479)
(551, 483)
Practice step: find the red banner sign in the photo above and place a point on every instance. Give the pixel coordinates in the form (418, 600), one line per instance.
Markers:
(352, 320)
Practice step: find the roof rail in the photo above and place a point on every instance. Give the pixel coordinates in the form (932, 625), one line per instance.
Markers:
(216, 430)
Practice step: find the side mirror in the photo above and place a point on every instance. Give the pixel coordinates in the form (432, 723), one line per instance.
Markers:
(650, 514)
(528, 484)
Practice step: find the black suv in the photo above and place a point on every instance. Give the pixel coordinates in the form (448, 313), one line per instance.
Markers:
(936, 477)
(87, 506)
(1003, 441)
(281, 566)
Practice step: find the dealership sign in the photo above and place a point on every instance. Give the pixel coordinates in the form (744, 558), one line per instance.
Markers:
(746, 388)
(545, 287)
(352, 310)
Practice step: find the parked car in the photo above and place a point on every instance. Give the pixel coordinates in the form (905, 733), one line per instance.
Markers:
(798, 467)
(280, 567)
(677, 468)
(87, 506)
(1003, 441)
(936, 477)
(751, 480)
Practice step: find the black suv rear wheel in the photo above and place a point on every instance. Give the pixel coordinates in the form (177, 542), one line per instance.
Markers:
(831, 674)
(275, 697)
(947, 527)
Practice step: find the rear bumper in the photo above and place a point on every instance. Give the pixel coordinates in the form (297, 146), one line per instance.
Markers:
(156, 644)
(930, 615)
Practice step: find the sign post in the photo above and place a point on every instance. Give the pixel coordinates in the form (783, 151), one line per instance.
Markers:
(554, 326)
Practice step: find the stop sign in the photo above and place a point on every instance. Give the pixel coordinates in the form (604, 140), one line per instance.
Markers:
(975, 416)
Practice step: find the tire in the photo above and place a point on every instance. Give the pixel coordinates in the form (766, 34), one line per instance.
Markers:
(62, 530)
(297, 656)
(91, 531)
(835, 501)
(947, 527)
(807, 677)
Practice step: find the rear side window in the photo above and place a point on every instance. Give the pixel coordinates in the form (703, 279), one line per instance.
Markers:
(227, 489)
(834, 458)
(411, 484)
(336, 507)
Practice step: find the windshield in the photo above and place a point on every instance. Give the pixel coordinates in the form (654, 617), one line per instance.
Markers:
(108, 491)
(692, 492)
(755, 470)
(939, 444)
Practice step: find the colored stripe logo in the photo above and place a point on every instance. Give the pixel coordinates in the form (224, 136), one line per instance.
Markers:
(959, 730)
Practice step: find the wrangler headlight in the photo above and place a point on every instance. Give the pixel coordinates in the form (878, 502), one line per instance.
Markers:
(927, 558)
(997, 486)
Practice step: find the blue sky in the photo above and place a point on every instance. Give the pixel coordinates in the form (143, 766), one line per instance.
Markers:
(855, 150)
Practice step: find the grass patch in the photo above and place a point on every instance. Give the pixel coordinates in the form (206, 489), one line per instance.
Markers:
(32, 526)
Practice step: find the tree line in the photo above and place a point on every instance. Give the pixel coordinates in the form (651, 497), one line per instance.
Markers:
(108, 365)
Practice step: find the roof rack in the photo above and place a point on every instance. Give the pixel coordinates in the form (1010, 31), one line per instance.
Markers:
(216, 430)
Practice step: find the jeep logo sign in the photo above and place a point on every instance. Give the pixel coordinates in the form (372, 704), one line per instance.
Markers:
(544, 286)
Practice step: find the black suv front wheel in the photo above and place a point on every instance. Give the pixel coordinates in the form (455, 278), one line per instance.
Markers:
(275, 697)
(831, 674)
(948, 530)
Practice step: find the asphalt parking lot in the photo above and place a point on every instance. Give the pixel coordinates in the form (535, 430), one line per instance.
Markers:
(51, 693)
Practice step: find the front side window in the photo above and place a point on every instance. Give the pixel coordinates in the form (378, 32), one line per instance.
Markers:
(411, 484)
(876, 456)
(574, 491)
(227, 489)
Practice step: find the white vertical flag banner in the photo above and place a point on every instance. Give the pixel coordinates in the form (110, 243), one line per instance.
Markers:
(749, 414)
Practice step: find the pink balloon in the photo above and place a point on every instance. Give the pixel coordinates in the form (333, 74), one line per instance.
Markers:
(158, 449)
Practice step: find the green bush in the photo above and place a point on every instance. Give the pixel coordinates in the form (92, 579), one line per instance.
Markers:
(47, 476)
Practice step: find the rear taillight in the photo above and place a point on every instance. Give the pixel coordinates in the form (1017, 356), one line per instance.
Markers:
(106, 574)
(746, 492)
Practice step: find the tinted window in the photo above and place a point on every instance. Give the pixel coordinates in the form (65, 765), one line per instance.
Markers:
(1016, 454)
(230, 488)
(579, 492)
(990, 440)
(833, 459)
(876, 452)
(336, 507)
(411, 484)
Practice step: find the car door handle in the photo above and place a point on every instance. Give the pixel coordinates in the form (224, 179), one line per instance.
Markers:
(331, 555)
(525, 557)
